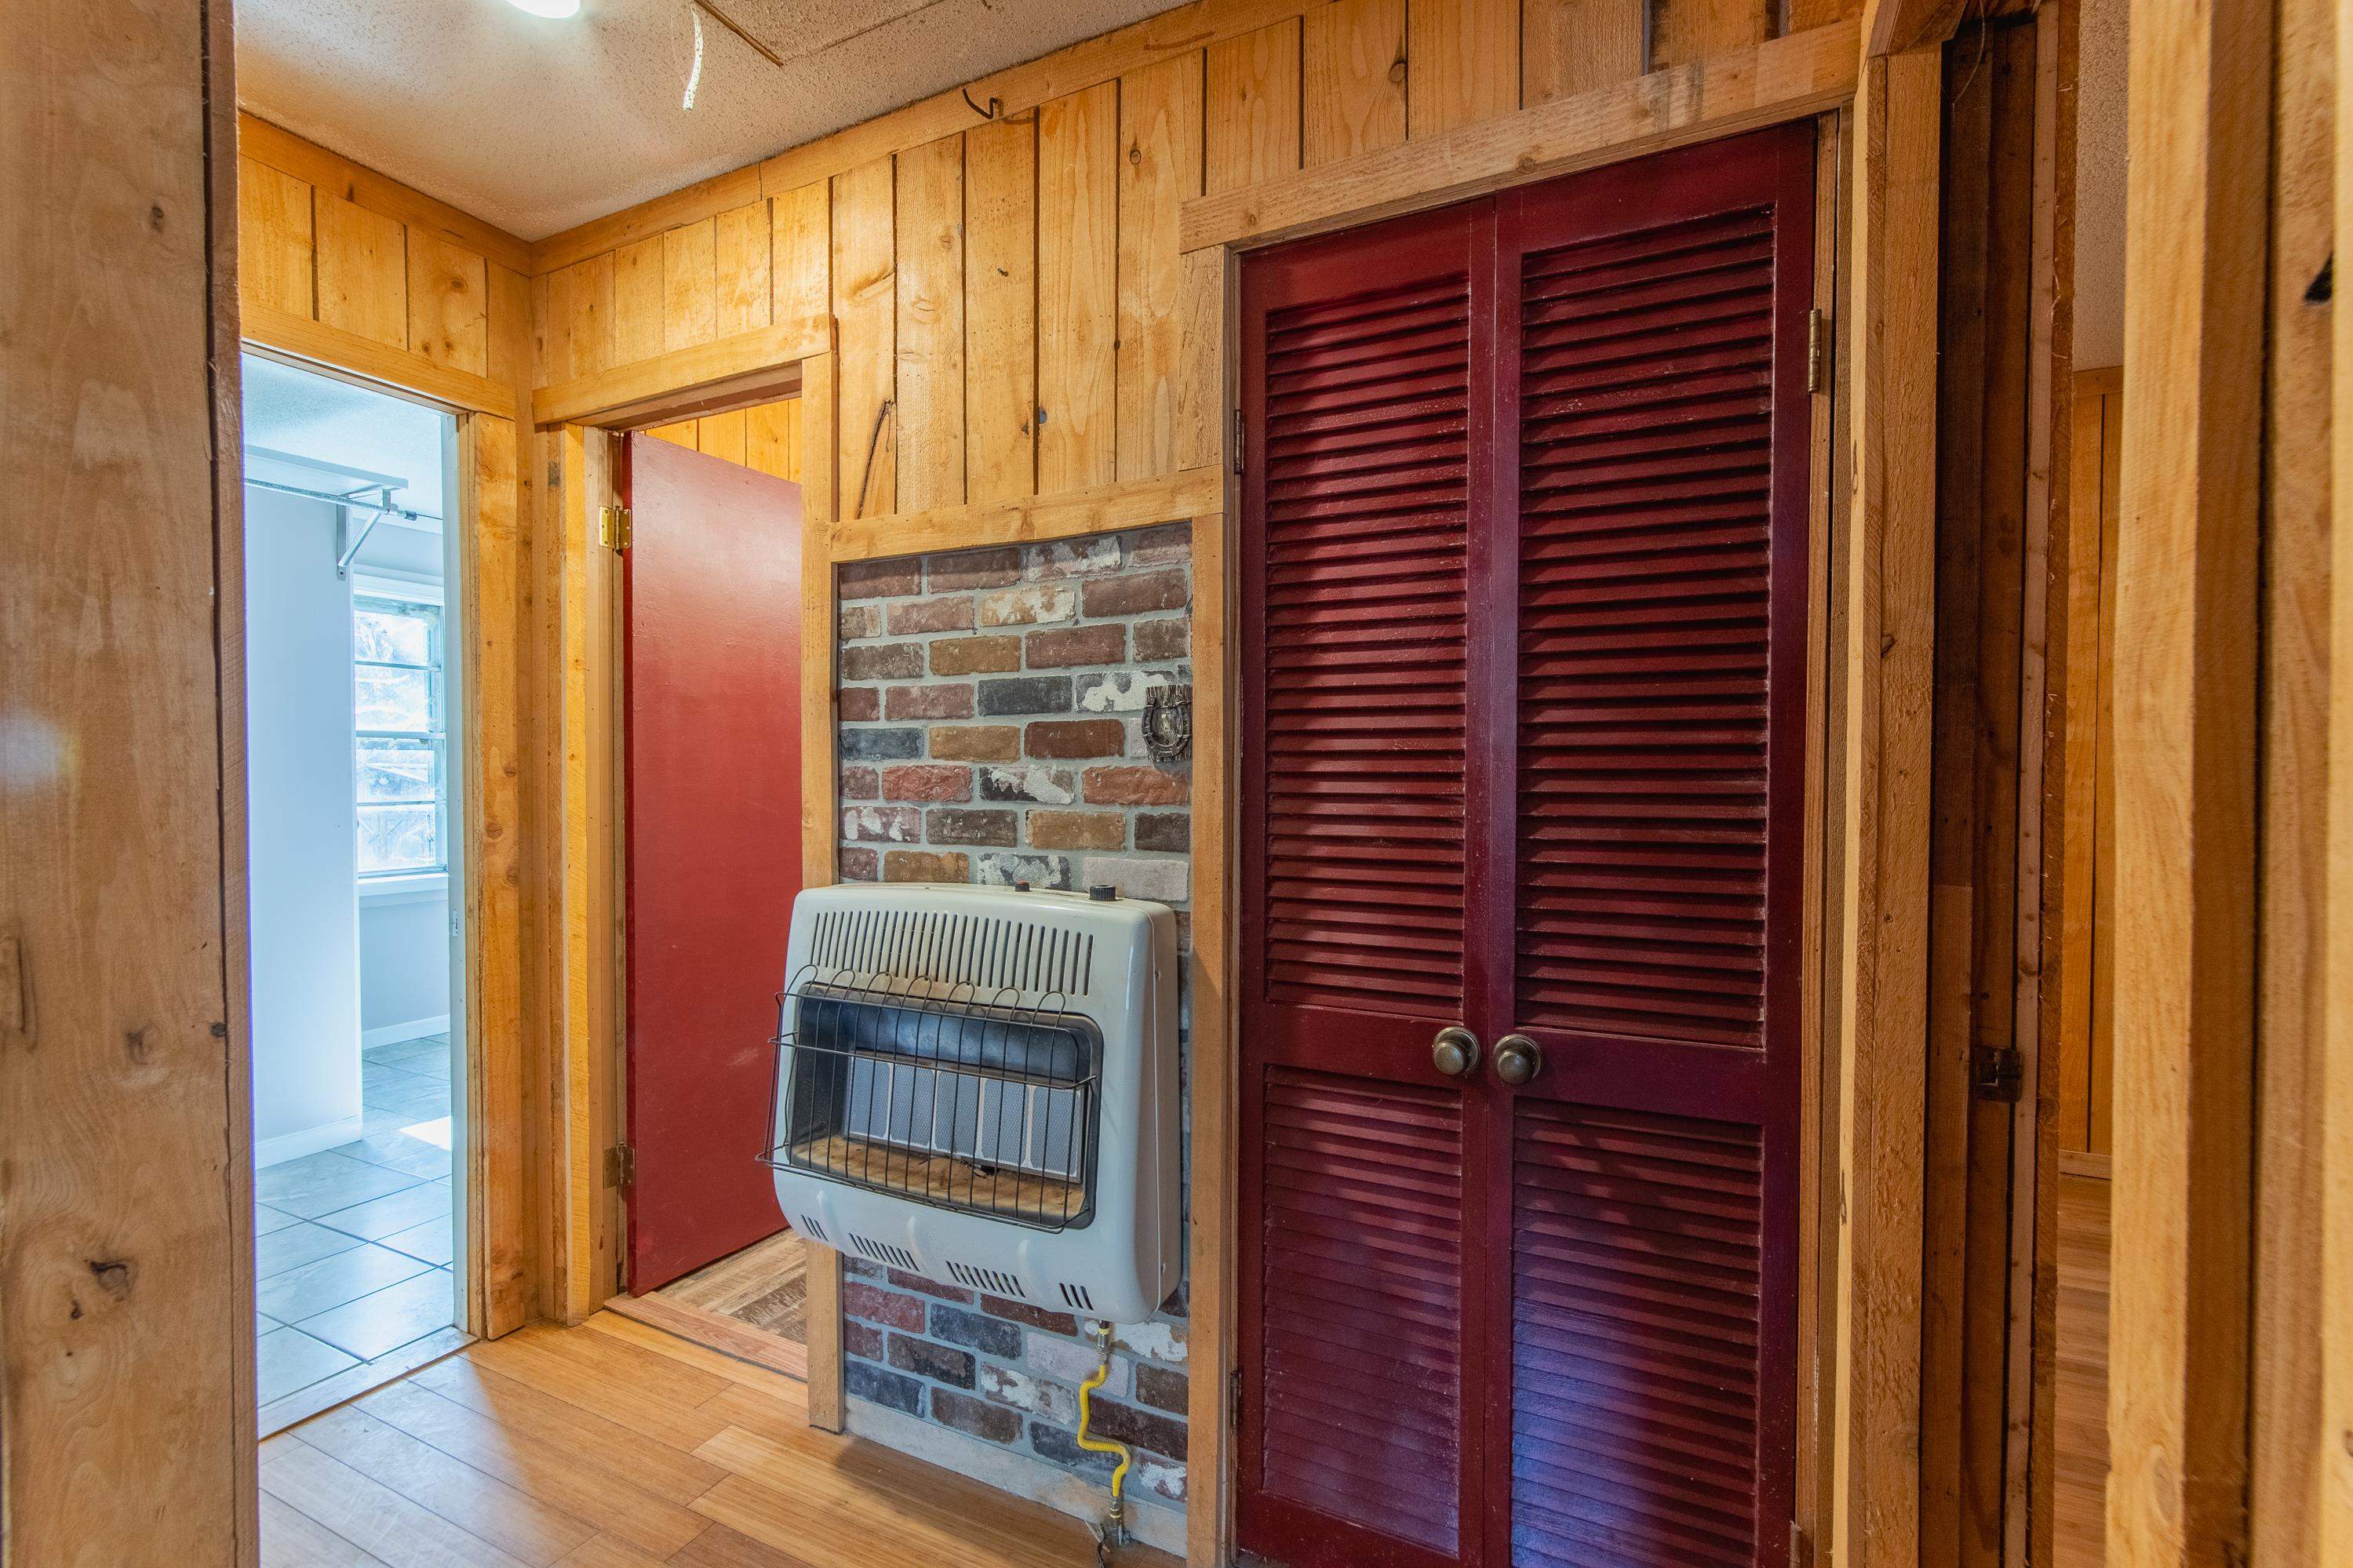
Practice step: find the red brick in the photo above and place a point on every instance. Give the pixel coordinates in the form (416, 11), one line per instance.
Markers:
(1077, 829)
(1035, 1316)
(927, 781)
(975, 656)
(879, 1306)
(1160, 1388)
(1170, 544)
(1029, 606)
(977, 742)
(859, 865)
(931, 701)
(883, 661)
(1164, 639)
(861, 704)
(1075, 737)
(1144, 1429)
(1135, 787)
(860, 621)
(1134, 593)
(879, 579)
(964, 1414)
(963, 824)
(1078, 644)
(916, 616)
(1168, 830)
(861, 783)
(861, 1340)
(926, 866)
(906, 1281)
(975, 569)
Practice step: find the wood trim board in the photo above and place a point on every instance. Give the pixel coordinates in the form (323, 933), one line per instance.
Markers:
(356, 358)
(756, 366)
(1727, 92)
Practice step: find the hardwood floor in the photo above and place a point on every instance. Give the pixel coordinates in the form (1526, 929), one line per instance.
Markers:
(2081, 1464)
(753, 1304)
(617, 1445)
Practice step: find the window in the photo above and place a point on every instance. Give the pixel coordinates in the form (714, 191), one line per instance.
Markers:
(400, 733)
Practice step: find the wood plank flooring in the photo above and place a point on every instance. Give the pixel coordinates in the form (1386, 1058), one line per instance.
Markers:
(615, 1445)
(2081, 1464)
(765, 1286)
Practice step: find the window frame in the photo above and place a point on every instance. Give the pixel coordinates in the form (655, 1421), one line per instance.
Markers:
(417, 601)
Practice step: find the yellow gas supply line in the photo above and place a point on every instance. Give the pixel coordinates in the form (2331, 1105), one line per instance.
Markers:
(1113, 1533)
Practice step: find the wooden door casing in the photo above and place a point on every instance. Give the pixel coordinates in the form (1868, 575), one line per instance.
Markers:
(1622, 553)
(713, 607)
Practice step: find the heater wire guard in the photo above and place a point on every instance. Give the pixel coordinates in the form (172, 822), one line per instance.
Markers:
(953, 1096)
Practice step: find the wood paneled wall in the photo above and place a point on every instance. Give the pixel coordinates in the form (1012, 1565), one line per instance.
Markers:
(1008, 293)
(324, 239)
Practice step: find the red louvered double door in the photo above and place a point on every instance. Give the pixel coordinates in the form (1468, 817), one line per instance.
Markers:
(1524, 610)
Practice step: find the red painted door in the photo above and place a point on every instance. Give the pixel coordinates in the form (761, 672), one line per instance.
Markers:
(1577, 779)
(712, 584)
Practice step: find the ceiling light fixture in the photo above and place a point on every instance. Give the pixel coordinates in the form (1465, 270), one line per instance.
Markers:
(551, 8)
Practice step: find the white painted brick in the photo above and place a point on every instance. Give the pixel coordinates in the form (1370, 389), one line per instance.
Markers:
(1122, 692)
(1165, 1479)
(1168, 881)
(1166, 1344)
(1068, 1360)
(1037, 606)
(873, 825)
(1035, 783)
(1022, 1392)
(1090, 557)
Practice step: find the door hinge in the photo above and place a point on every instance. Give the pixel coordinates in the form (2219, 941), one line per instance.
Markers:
(613, 527)
(1997, 1072)
(621, 1165)
(1234, 1400)
(1239, 428)
(1798, 1556)
(1818, 351)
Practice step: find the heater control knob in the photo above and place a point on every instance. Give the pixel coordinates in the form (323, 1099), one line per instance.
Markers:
(1454, 1051)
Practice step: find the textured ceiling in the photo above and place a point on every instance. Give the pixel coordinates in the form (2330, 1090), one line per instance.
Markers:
(537, 125)
(2099, 185)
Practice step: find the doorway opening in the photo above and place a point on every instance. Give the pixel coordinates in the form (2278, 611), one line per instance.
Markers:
(354, 881)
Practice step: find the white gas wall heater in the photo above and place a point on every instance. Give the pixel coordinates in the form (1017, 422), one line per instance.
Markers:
(978, 1085)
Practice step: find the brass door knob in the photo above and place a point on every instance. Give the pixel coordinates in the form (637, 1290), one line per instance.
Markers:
(1517, 1059)
(1454, 1051)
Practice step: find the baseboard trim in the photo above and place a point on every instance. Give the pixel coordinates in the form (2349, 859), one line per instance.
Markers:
(1155, 1524)
(310, 1141)
(395, 1034)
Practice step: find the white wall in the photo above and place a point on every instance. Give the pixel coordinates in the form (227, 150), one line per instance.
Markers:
(302, 866)
(404, 963)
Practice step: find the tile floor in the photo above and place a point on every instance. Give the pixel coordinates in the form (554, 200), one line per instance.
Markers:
(351, 1246)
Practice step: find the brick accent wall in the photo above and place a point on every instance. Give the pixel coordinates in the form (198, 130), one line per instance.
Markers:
(991, 731)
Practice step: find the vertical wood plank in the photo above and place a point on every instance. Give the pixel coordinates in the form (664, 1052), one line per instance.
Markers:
(2082, 566)
(1078, 288)
(273, 239)
(1568, 47)
(2186, 624)
(772, 437)
(126, 1259)
(690, 285)
(930, 229)
(1883, 897)
(510, 312)
(821, 789)
(686, 432)
(492, 587)
(2290, 1451)
(587, 324)
(722, 435)
(449, 306)
(1250, 117)
(1683, 31)
(2333, 1522)
(1463, 62)
(362, 270)
(740, 238)
(800, 254)
(1001, 301)
(866, 329)
(2103, 1088)
(1201, 387)
(1160, 168)
(640, 302)
(1352, 79)
(1213, 1157)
